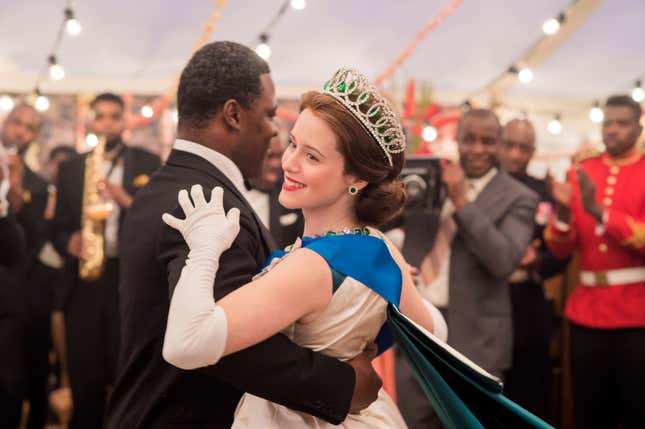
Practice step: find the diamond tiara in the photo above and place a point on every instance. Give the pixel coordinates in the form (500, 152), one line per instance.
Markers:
(358, 95)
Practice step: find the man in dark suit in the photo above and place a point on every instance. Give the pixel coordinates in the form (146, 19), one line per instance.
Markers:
(28, 201)
(91, 307)
(226, 105)
(13, 260)
(285, 225)
(528, 382)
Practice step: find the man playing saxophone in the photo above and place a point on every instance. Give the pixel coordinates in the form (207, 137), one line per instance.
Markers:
(94, 191)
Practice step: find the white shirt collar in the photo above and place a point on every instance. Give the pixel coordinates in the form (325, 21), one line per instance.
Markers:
(480, 183)
(221, 162)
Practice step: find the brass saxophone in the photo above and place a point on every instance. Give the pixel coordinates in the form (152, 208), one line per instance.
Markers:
(95, 211)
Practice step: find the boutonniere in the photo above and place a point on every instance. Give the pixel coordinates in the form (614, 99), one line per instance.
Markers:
(141, 180)
(26, 197)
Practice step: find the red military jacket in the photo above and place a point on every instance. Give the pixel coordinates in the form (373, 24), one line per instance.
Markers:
(620, 189)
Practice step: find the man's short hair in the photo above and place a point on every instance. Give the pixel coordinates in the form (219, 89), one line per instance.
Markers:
(479, 114)
(218, 72)
(625, 101)
(110, 97)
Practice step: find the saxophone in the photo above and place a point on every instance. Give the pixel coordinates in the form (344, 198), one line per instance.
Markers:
(95, 211)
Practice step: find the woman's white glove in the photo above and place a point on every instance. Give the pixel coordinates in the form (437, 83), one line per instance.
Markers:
(206, 227)
(196, 327)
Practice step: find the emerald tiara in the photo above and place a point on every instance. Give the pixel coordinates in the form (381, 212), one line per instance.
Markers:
(358, 95)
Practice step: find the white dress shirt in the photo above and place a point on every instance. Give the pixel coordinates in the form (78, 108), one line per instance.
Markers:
(221, 162)
(112, 222)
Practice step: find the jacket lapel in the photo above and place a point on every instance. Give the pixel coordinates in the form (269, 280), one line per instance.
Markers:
(128, 170)
(493, 199)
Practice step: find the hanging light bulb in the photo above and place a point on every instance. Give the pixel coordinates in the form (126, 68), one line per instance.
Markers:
(72, 25)
(92, 140)
(429, 133)
(596, 114)
(147, 112)
(298, 4)
(637, 93)
(56, 72)
(6, 103)
(175, 116)
(555, 126)
(552, 25)
(263, 49)
(42, 103)
(525, 75)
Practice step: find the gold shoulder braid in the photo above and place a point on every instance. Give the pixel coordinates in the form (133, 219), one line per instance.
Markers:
(361, 98)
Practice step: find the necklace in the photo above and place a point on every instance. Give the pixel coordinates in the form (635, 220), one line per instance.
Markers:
(344, 231)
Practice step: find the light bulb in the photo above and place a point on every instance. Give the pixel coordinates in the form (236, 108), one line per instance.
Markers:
(264, 51)
(551, 26)
(73, 27)
(638, 94)
(147, 112)
(596, 114)
(6, 103)
(555, 126)
(92, 140)
(175, 116)
(429, 133)
(56, 71)
(298, 4)
(42, 103)
(525, 75)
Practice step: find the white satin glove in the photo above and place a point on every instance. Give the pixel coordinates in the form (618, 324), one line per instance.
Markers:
(196, 328)
(206, 227)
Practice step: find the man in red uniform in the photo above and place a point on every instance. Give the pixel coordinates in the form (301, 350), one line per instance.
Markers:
(601, 214)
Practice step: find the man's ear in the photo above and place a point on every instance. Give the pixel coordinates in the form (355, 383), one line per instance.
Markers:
(231, 112)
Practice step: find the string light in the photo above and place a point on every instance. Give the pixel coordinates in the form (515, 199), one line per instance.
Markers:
(555, 126)
(429, 133)
(552, 25)
(147, 112)
(596, 114)
(263, 49)
(525, 74)
(42, 103)
(72, 25)
(637, 93)
(92, 140)
(6, 103)
(298, 4)
(56, 71)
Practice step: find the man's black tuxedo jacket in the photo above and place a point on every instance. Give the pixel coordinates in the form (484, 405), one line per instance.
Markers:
(32, 214)
(149, 392)
(138, 165)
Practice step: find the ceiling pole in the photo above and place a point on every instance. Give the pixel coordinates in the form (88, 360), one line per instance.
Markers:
(577, 14)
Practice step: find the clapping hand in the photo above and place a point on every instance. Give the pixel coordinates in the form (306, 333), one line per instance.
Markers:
(588, 195)
(454, 179)
(562, 193)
